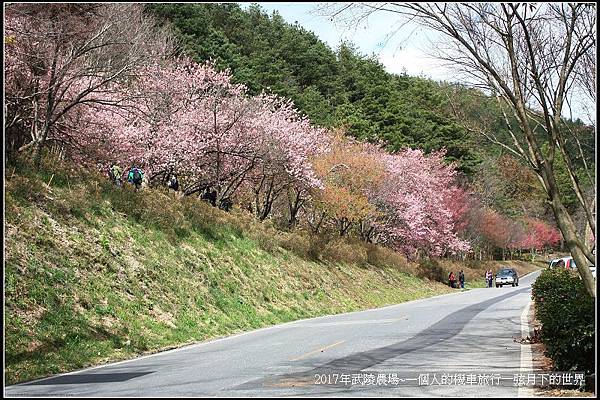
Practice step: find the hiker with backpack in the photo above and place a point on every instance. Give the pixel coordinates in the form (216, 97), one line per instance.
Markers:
(210, 195)
(114, 173)
(135, 177)
(173, 183)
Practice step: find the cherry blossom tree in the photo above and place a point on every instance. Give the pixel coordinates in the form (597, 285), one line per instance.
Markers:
(63, 56)
(108, 103)
(537, 236)
(285, 147)
(190, 118)
(414, 201)
(183, 115)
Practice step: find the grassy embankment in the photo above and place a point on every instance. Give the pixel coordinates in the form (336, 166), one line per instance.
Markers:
(95, 274)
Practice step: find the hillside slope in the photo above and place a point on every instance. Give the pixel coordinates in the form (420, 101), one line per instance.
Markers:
(94, 273)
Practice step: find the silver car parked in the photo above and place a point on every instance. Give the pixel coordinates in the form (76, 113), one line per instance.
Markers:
(507, 276)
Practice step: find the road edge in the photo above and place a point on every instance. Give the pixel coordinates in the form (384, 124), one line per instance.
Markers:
(526, 365)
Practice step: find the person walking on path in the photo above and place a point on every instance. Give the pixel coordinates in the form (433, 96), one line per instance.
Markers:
(461, 279)
(115, 173)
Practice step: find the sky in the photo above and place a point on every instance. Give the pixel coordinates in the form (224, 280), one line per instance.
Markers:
(406, 51)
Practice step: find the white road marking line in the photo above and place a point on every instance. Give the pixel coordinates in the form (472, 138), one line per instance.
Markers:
(526, 355)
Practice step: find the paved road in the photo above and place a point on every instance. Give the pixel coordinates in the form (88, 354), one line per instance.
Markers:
(469, 334)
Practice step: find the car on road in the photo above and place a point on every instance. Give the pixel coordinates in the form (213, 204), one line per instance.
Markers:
(507, 276)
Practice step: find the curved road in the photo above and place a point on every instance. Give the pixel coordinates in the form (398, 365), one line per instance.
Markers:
(462, 342)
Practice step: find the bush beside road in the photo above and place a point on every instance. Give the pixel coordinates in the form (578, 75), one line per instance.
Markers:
(566, 313)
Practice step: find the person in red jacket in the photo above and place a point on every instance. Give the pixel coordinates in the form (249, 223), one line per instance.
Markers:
(452, 279)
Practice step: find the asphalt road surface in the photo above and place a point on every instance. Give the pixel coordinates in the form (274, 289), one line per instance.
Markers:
(460, 344)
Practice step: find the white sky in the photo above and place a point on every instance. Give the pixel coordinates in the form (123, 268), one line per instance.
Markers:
(406, 50)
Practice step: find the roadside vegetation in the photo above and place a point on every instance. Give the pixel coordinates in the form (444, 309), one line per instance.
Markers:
(96, 273)
(354, 91)
(567, 316)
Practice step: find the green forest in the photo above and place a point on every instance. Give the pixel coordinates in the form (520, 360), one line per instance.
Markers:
(334, 88)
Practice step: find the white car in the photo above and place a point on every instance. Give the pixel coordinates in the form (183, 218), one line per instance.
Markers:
(569, 263)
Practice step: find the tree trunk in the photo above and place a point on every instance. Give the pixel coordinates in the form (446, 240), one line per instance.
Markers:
(589, 236)
(294, 205)
(569, 232)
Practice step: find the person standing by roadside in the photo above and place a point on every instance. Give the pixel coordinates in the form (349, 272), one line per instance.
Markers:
(173, 183)
(461, 279)
(488, 278)
(452, 279)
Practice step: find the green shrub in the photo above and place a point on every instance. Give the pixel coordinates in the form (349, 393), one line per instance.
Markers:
(316, 246)
(27, 189)
(202, 217)
(79, 201)
(52, 171)
(566, 312)
(268, 243)
(126, 200)
(297, 242)
(160, 210)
